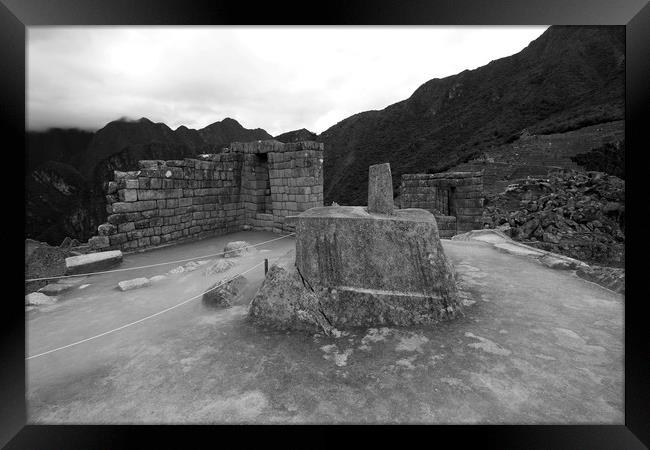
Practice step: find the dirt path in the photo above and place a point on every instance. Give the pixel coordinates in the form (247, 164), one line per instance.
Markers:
(536, 345)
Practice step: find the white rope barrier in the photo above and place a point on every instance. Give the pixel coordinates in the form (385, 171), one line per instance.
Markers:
(154, 265)
(144, 318)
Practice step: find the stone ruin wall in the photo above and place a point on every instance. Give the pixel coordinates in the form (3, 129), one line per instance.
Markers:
(255, 184)
(455, 199)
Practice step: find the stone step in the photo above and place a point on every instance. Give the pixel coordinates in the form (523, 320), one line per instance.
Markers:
(92, 262)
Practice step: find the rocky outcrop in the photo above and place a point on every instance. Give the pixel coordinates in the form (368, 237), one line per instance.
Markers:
(285, 301)
(580, 215)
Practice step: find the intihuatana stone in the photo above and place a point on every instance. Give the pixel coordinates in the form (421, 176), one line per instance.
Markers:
(380, 189)
(355, 269)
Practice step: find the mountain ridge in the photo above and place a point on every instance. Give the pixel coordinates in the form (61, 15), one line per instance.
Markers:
(568, 77)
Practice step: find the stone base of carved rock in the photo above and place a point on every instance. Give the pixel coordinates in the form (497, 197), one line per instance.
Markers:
(396, 260)
(286, 300)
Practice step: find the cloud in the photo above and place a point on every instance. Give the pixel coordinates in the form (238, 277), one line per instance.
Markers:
(276, 78)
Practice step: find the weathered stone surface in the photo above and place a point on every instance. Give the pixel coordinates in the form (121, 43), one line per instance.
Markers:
(357, 269)
(92, 262)
(380, 189)
(237, 248)
(347, 247)
(38, 299)
(133, 284)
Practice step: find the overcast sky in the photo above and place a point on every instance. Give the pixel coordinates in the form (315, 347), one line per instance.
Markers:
(276, 78)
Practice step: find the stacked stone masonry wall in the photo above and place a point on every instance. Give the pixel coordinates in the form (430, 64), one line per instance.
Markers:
(257, 184)
(455, 198)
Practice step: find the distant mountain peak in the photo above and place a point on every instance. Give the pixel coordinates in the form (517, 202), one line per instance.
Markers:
(302, 134)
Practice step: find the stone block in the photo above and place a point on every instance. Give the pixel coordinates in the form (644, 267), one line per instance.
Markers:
(92, 262)
(123, 207)
(133, 284)
(125, 227)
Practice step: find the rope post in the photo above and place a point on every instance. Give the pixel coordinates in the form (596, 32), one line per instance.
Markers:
(266, 266)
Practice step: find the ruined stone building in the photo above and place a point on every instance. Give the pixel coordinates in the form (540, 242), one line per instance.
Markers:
(454, 198)
(253, 185)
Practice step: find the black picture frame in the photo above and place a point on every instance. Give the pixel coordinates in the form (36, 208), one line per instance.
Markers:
(16, 15)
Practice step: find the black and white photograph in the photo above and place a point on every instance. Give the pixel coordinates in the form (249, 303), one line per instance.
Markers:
(318, 224)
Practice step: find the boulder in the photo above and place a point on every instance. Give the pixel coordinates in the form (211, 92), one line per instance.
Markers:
(92, 262)
(223, 295)
(237, 248)
(133, 284)
(285, 302)
(39, 299)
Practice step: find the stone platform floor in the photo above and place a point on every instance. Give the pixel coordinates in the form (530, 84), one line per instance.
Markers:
(536, 345)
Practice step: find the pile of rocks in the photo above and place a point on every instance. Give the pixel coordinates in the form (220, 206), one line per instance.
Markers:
(577, 214)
